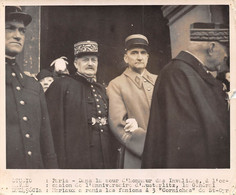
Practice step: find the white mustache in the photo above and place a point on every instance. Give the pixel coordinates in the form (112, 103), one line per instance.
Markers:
(90, 67)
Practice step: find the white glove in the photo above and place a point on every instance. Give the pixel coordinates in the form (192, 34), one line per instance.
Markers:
(131, 125)
(60, 64)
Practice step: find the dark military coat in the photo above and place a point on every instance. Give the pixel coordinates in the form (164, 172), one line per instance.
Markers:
(189, 119)
(79, 142)
(29, 143)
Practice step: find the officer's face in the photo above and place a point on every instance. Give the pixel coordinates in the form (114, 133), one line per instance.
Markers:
(14, 37)
(87, 65)
(137, 59)
(46, 82)
(218, 58)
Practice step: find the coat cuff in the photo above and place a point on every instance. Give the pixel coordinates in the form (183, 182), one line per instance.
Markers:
(135, 142)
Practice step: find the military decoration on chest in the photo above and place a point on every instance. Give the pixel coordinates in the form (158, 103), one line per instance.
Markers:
(100, 106)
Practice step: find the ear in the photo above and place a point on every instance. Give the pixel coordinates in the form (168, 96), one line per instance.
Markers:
(75, 63)
(211, 48)
(125, 59)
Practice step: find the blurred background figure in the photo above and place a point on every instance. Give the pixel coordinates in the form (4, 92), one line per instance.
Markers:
(224, 77)
(45, 77)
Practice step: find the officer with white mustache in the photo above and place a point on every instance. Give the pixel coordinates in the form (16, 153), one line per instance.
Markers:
(80, 128)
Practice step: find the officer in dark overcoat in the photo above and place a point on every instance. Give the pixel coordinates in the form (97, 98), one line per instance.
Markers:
(77, 107)
(189, 125)
(29, 143)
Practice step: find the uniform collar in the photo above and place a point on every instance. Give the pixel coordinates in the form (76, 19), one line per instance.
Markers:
(147, 75)
(10, 60)
(13, 68)
(89, 79)
(137, 78)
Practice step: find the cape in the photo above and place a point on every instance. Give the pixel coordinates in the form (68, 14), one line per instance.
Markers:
(189, 119)
(67, 101)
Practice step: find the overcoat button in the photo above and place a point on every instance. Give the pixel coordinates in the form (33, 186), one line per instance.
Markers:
(27, 135)
(22, 102)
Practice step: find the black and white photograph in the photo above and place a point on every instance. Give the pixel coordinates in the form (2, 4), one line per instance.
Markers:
(136, 97)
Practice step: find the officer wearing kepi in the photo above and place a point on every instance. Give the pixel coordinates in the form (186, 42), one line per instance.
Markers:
(130, 97)
(78, 112)
(29, 143)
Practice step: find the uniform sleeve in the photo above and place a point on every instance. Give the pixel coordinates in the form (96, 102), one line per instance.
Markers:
(47, 146)
(54, 98)
(134, 141)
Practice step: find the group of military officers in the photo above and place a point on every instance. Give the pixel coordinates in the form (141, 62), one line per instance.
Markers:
(79, 124)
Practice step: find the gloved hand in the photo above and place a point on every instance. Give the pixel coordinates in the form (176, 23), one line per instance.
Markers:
(131, 125)
(60, 65)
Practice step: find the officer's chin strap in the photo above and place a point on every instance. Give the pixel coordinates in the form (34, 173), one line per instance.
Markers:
(10, 57)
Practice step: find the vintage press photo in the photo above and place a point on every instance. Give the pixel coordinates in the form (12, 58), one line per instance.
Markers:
(62, 146)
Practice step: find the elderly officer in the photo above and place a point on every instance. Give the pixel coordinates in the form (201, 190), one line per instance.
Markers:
(130, 97)
(78, 112)
(189, 118)
(29, 143)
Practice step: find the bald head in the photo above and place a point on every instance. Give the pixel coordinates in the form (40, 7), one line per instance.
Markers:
(213, 55)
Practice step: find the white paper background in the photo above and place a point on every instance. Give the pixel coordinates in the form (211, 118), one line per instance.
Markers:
(39, 177)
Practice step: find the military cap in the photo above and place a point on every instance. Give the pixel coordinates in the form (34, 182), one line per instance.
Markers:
(83, 48)
(136, 40)
(15, 12)
(209, 32)
(44, 73)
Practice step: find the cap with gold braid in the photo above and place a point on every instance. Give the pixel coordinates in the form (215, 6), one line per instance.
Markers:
(83, 48)
(209, 32)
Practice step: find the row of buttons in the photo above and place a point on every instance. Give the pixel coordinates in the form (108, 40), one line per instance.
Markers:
(14, 75)
(24, 118)
(149, 89)
(98, 106)
(97, 100)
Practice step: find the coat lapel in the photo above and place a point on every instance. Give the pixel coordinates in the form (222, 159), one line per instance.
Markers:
(135, 77)
(138, 79)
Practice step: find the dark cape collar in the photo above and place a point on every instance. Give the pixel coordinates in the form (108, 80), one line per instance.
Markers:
(198, 67)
